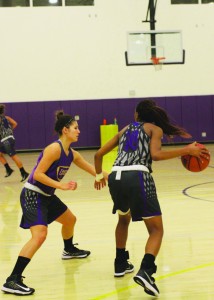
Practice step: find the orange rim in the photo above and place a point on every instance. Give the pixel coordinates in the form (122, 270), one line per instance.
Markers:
(156, 60)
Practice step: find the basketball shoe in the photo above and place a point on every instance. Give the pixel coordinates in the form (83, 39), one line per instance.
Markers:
(144, 278)
(14, 285)
(9, 172)
(122, 266)
(24, 176)
(74, 252)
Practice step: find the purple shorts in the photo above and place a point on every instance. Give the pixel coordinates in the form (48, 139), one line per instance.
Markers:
(39, 209)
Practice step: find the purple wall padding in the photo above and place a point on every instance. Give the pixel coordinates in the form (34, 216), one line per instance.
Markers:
(19, 112)
(36, 119)
(205, 112)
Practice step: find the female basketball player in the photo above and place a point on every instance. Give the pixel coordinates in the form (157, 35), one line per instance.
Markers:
(132, 187)
(41, 206)
(7, 144)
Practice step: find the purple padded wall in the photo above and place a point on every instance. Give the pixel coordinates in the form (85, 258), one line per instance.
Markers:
(94, 120)
(205, 120)
(19, 112)
(173, 108)
(190, 116)
(161, 101)
(49, 112)
(126, 108)
(78, 108)
(36, 123)
(109, 108)
(36, 119)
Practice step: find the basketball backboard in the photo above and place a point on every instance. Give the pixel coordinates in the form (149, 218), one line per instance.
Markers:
(143, 45)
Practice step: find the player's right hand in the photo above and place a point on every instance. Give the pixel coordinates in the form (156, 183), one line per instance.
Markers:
(71, 185)
(198, 150)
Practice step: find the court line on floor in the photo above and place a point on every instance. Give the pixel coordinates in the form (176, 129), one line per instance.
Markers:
(192, 186)
(104, 296)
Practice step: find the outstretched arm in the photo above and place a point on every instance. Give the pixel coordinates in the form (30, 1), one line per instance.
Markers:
(158, 154)
(83, 164)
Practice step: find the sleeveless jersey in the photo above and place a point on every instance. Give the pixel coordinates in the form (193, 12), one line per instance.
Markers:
(56, 171)
(5, 128)
(133, 147)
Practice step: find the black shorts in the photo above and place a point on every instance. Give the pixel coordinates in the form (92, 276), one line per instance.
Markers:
(135, 191)
(8, 147)
(38, 209)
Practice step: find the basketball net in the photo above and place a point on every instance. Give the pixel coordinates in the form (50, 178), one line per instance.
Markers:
(157, 62)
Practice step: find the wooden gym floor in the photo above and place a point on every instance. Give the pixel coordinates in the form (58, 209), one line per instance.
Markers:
(185, 262)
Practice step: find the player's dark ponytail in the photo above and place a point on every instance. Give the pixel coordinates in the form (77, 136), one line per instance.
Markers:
(149, 111)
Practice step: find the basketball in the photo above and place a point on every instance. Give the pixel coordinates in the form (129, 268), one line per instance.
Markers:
(195, 164)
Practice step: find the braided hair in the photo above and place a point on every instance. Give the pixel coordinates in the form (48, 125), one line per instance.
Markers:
(149, 111)
(62, 120)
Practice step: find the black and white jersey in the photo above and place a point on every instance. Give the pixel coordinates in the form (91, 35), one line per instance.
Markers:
(134, 147)
(5, 128)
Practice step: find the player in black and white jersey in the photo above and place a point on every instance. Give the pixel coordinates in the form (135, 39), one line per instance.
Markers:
(132, 187)
(7, 144)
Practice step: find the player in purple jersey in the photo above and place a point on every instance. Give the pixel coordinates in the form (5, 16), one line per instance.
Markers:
(41, 206)
(132, 187)
(7, 144)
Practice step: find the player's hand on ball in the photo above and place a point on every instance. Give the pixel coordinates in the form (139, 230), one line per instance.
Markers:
(198, 150)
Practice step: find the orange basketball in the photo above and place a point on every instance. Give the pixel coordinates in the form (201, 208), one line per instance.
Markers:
(195, 164)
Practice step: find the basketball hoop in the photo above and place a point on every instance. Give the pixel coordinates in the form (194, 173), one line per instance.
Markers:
(157, 62)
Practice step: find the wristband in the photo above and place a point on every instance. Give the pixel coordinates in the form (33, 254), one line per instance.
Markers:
(99, 177)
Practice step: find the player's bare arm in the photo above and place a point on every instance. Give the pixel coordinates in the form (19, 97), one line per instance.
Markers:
(12, 122)
(158, 153)
(51, 154)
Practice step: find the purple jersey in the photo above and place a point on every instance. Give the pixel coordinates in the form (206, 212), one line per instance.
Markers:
(56, 171)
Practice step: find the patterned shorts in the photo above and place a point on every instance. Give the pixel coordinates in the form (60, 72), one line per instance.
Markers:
(39, 209)
(135, 191)
(8, 147)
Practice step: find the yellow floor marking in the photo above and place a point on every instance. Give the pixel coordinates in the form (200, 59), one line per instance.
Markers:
(156, 278)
